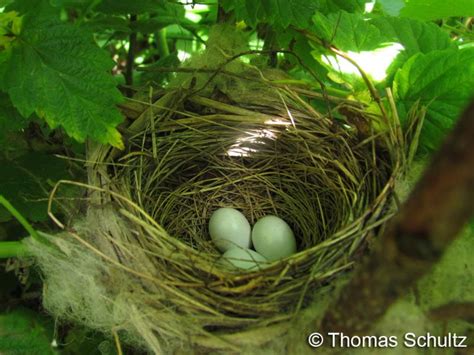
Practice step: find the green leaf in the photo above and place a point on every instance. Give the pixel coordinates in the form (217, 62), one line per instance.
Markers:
(10, 119)
(76, 4)
(353, 6)
(437, 9)
(25, 332)
(248, 11)
(80, 340)
(41, 7)
(442, 80)
(4, 3)
(168, 15)
(415, 36)
(391, 7)
(26, 182)
(290, 12)
(276, 12)
(108, 23)
(302, 48)
(130, 6)
(349, 32)
(56, 70)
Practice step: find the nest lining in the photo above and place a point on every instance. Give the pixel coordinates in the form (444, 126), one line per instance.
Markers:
(269, 164)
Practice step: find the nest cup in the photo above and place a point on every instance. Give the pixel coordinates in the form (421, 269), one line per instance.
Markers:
(193, 149)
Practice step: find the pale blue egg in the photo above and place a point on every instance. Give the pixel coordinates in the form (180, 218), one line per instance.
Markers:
(273, 238)
(229, 228)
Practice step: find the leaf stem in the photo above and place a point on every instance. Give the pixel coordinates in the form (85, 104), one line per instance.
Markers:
(13, 249)
(162, 44)
(19, 217)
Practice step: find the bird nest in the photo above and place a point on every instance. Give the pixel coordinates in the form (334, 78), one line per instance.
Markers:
(141, 262)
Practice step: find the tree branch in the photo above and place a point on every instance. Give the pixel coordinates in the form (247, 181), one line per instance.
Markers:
(433, 215)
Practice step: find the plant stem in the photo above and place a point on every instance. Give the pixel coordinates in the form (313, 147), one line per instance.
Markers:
(162, 44)
(131, 57)
(19, 217)
(13, 249)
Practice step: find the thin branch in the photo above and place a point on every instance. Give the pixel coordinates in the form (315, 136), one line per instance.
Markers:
(131, 57)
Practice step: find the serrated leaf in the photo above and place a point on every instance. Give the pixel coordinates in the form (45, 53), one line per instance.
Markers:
(276, 12)
(130, 7)
(391, 7)
(415, 36)
(442, 80)
(25, 332)
(255, 12)
(55, 70)
(349, 32)
(26, 182)
(74, 3)
(352, 6)
(437, 9)
(291, 12)
(41, 7)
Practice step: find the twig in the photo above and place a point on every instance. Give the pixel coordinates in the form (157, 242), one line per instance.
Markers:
(118, 346)
(439, 207)
(131, 57)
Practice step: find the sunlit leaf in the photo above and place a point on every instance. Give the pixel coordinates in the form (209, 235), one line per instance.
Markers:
(391, 7)
(349, 32)
(414, 36)
(437, 9)
(443, 81)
